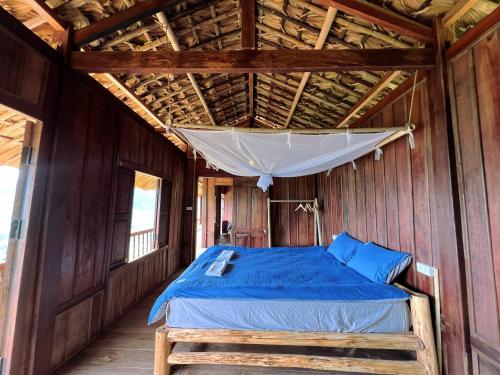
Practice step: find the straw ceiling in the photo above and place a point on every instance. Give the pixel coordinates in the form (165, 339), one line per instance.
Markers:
(224, 99)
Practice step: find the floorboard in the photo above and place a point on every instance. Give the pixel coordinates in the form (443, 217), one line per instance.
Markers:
(127, 347)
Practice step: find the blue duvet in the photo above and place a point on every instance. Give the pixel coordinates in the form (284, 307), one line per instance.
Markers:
(309, 273)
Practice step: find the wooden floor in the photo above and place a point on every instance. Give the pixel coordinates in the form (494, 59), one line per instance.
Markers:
(127, 347)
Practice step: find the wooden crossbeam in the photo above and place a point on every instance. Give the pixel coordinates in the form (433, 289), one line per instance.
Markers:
(121, 20)
(47, 14)
(382, 84)
(248, 42)
(249, 61)
(383, 17)
(365, 365)
(458, 10)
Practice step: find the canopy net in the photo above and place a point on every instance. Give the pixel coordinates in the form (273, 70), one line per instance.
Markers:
(280, 154)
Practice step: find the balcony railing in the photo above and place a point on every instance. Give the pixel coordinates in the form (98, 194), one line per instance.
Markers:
(141, 243)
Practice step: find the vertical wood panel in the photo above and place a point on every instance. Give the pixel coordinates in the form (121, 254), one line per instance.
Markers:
(475, 87)
(290, 227)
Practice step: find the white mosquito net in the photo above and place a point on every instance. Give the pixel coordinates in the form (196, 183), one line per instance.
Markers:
(281, 154)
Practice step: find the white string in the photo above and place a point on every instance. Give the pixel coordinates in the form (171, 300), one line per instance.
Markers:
(353, 165)
(289, 139)
(328, 173)
(378, 153)
(194, 155)
(348, 137)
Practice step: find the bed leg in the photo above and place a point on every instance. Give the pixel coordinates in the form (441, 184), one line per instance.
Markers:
(162, 350)
(422, 327)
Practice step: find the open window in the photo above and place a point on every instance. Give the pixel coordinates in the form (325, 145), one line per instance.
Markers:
(143, 231)
(142, 210)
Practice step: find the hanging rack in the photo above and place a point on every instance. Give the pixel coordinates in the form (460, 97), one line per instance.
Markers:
(314, 208)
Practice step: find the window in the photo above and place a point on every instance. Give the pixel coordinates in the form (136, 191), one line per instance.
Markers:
(142, 213)
(143, 228)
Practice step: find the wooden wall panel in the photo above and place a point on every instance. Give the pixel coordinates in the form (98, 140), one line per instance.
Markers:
(388, 202)
(290, 228)
(475, 85)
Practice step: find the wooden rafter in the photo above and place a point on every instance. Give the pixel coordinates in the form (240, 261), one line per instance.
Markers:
(132, 96)
(382, 84)
(248, 42)
(121, 20)
(258, 61)
(175, 45)
(458, 10)
(325, 30)
(48, 14)
(383, 17)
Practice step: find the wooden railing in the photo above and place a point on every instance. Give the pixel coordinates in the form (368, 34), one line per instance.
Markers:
(141, 243)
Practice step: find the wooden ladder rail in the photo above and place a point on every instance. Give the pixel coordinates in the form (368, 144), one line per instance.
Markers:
(421, 341)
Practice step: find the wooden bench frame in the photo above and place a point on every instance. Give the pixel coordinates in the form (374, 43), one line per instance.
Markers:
(420, 340)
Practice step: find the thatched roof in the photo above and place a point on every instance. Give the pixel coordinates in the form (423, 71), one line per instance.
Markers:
(223, 99)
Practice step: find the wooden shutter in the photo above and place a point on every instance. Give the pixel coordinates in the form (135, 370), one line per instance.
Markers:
(123, 216)
(164, 213)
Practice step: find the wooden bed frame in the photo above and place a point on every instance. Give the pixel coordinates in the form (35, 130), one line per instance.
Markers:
(420, 340)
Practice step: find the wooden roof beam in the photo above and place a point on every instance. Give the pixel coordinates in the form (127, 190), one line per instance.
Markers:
(247, 61)
(325, 30)
(129, 94)
(457, 10)
(177, 48)
(383, 17)
(48, 14)
(382, 84)
(121, 20)
(248, 42)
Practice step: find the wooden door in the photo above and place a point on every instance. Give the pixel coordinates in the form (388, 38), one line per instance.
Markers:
(123, 216)
(249, 214)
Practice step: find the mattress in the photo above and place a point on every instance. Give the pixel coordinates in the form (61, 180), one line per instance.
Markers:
(304, 289)
(289, 315)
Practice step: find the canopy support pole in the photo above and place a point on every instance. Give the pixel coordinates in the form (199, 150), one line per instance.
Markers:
(405, 129)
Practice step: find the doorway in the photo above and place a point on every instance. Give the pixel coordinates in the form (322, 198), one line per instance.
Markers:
(214, 214)
(230, 211)
(19, 140)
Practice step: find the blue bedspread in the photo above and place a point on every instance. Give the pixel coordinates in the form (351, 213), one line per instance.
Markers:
(308, 273)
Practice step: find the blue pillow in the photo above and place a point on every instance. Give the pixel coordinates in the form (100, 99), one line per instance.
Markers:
(344, 247)
(379, 264)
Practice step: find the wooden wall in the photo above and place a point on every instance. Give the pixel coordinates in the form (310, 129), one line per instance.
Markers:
(474, 78)
(25, 55)
(93, 138)
(399, 202)
(290, 227)
(69, 294)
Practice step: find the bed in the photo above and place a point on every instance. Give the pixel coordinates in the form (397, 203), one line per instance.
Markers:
(290, 296)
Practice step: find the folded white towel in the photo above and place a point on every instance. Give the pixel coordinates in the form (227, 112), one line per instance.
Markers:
(226, 255)
(217, 268)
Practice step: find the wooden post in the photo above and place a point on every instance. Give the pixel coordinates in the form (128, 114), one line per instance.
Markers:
(269, 241)
(422, 328)
(162, 350)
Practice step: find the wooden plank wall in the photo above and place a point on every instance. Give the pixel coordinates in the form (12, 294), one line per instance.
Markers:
(112, 139)
(69, 295)
(290, 227)
(474, 78)
(395, 202)
(24, 56)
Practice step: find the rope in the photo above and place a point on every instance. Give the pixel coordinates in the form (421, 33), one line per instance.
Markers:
(411, 139)
(412, 97)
